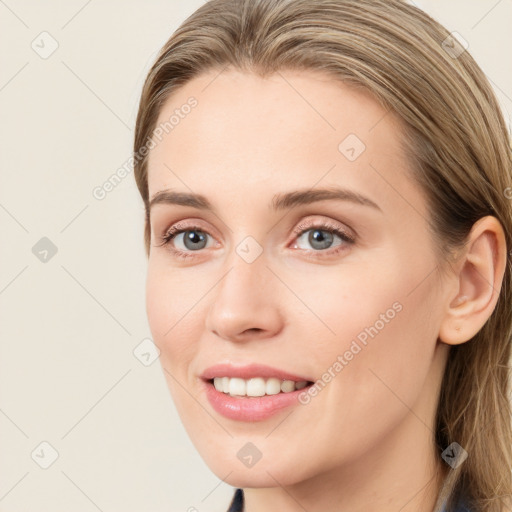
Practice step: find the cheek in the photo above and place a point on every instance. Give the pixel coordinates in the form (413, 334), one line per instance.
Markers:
(171, 306)
(172, 315)
(388, 298)
(378, 319)
(383, 343)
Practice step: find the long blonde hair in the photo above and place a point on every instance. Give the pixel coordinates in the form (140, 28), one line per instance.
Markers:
(455, 138)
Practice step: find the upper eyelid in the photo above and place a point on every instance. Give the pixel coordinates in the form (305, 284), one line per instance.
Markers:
(298, 230)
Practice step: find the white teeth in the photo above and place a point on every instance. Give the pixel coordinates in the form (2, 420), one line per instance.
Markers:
(273, 386)
(256, 386)
(237, 387)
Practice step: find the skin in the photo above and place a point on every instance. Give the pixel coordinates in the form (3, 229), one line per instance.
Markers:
(365, 442)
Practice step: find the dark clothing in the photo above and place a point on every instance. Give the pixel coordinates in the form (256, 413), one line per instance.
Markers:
(237, 503)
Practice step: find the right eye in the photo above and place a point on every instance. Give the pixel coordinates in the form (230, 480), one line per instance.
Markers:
(193, 240)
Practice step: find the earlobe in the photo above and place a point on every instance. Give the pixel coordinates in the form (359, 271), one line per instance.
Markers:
(479, 277)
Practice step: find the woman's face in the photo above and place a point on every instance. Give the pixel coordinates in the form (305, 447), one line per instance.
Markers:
(356, 312)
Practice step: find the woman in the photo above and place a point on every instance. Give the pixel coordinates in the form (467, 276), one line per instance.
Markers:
(327, 189)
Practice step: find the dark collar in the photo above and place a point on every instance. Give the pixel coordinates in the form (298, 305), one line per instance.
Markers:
(237, 503)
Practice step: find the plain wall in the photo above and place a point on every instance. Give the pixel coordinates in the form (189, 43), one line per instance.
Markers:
(70, 323)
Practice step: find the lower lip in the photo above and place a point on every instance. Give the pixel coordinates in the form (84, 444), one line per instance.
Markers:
(245, 408)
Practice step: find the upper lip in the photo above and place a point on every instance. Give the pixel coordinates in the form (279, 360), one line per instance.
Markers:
(250, 371)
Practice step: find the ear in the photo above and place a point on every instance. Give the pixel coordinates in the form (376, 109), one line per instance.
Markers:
(477, 279)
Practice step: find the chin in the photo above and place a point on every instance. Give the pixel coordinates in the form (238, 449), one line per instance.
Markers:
(270, 472)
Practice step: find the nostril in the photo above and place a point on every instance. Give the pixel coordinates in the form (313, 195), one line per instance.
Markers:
(253, 329)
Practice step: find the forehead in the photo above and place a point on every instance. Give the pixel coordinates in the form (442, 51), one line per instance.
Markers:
(296, 128)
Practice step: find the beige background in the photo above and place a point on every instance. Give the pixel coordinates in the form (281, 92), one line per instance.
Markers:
(69, 325)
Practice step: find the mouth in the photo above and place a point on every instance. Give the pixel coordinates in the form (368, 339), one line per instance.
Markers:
(252, 403)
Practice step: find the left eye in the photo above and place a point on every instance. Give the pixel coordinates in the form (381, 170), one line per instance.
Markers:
(321, 239)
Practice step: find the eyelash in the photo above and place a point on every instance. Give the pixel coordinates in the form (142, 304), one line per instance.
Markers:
(299, 230)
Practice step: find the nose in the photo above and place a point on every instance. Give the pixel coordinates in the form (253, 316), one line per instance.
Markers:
(246, 303)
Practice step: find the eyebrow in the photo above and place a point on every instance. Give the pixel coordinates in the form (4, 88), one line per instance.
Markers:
(282, 201)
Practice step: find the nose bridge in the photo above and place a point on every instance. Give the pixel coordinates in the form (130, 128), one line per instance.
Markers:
(244, 282)
(246, 264)
(243, 299)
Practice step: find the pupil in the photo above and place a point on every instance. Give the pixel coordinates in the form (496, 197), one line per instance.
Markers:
(193, 237)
